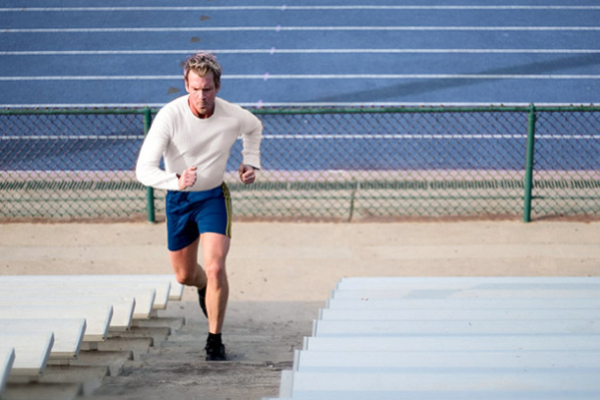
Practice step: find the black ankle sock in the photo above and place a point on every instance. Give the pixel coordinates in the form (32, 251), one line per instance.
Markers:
(214, 338)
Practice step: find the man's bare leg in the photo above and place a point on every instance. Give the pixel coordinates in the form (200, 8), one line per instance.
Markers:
(186, 268)
(215, 248)
(188, 272)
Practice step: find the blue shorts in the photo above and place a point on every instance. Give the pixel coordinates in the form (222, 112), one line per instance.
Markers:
(189, 214)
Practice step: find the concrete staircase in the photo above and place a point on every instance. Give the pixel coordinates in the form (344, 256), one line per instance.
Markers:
(467, 338)
(60, 335)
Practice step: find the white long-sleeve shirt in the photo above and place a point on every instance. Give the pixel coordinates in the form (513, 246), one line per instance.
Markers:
(185, 140)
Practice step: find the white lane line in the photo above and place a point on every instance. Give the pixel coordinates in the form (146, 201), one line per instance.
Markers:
(80, 137)
(94, 78)
(301, 28)
(261, 104)
(298, 76)
(374, 136)
(292, 8)
(301, 51)
(412, 76)
(378, 136)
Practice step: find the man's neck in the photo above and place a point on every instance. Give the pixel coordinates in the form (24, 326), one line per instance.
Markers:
(197, 114)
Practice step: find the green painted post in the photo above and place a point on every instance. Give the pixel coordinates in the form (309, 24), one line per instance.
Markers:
(352, 198)
(149, 191)
(529, 163)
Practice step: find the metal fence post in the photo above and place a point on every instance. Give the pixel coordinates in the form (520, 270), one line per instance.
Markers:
(149, 191)
(529, 163)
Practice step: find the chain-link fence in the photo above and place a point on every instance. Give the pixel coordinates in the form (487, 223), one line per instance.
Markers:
(566, 167)
(70, 164)
(320, 164)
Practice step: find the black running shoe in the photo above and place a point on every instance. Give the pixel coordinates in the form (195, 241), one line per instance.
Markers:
(202, 300)
(215, 352)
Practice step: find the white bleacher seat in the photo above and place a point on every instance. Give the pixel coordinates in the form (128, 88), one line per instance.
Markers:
(165, 286)
(472, 303)
(176, 289)
(449, 338)
(286, 385)
(456, 327)
(97, 317)
(467, 287)
(571, 342)
(36, 315)
(7, 357)
(142, 299)
(122, 307)
(467, 384)
(114, 282)
(68, 333)
(89, 285)
(31, 352)
(367, 361)
(463, 283)
(459, 314)
(514, 293)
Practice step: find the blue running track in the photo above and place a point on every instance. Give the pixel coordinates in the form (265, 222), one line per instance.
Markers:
(125, 53)
(129, 53)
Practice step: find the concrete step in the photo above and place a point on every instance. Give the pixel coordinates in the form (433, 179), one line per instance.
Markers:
(98, 317)
(459, 314)
(571, 342)
(165, 285)
(90, 377)
(456, 327)
(136, 303)
(542, 293)
(438, 395)
(137, 346)
(115, 318)
(463, 283)
(68, 333)
(42, 391)
(31, 353)
(122, 307)
(465, 304)
(173, 323)
(400, 361)
(452, 338)
(7, 358)
(158, 335)
(415, 384)
(175, 291)
(149, 293)
(113, 360)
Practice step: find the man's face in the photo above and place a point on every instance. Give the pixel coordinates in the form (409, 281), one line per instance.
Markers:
(203, 91)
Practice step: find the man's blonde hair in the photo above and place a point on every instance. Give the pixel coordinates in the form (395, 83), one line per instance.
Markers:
(203, 63)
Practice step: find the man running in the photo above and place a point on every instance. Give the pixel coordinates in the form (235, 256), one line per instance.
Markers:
(194, 134)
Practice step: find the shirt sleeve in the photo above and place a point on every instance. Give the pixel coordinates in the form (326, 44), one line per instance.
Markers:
(148, 170)
(251, 138)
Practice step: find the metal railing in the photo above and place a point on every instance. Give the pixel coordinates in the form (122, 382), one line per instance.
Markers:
(345, 164)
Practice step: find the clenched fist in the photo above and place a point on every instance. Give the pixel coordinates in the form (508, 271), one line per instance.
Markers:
(187, 178)
(247, 175)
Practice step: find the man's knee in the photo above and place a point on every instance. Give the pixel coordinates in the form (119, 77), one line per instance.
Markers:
(215, 271)
(185, 277)
(185, 264)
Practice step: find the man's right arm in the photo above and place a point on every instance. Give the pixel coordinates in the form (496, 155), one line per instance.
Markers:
(148, 169)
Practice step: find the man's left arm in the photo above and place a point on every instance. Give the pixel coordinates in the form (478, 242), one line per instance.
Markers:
(251, 139)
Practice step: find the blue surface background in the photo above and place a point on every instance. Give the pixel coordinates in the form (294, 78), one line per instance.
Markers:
(514, 61)
(129, 54)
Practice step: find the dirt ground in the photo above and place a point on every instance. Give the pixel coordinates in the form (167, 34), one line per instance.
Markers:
(280, 275)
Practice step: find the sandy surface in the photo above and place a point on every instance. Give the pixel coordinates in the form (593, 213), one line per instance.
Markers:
(280, 274)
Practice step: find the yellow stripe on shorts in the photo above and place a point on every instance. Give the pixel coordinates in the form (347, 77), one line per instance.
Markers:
(227, 196)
